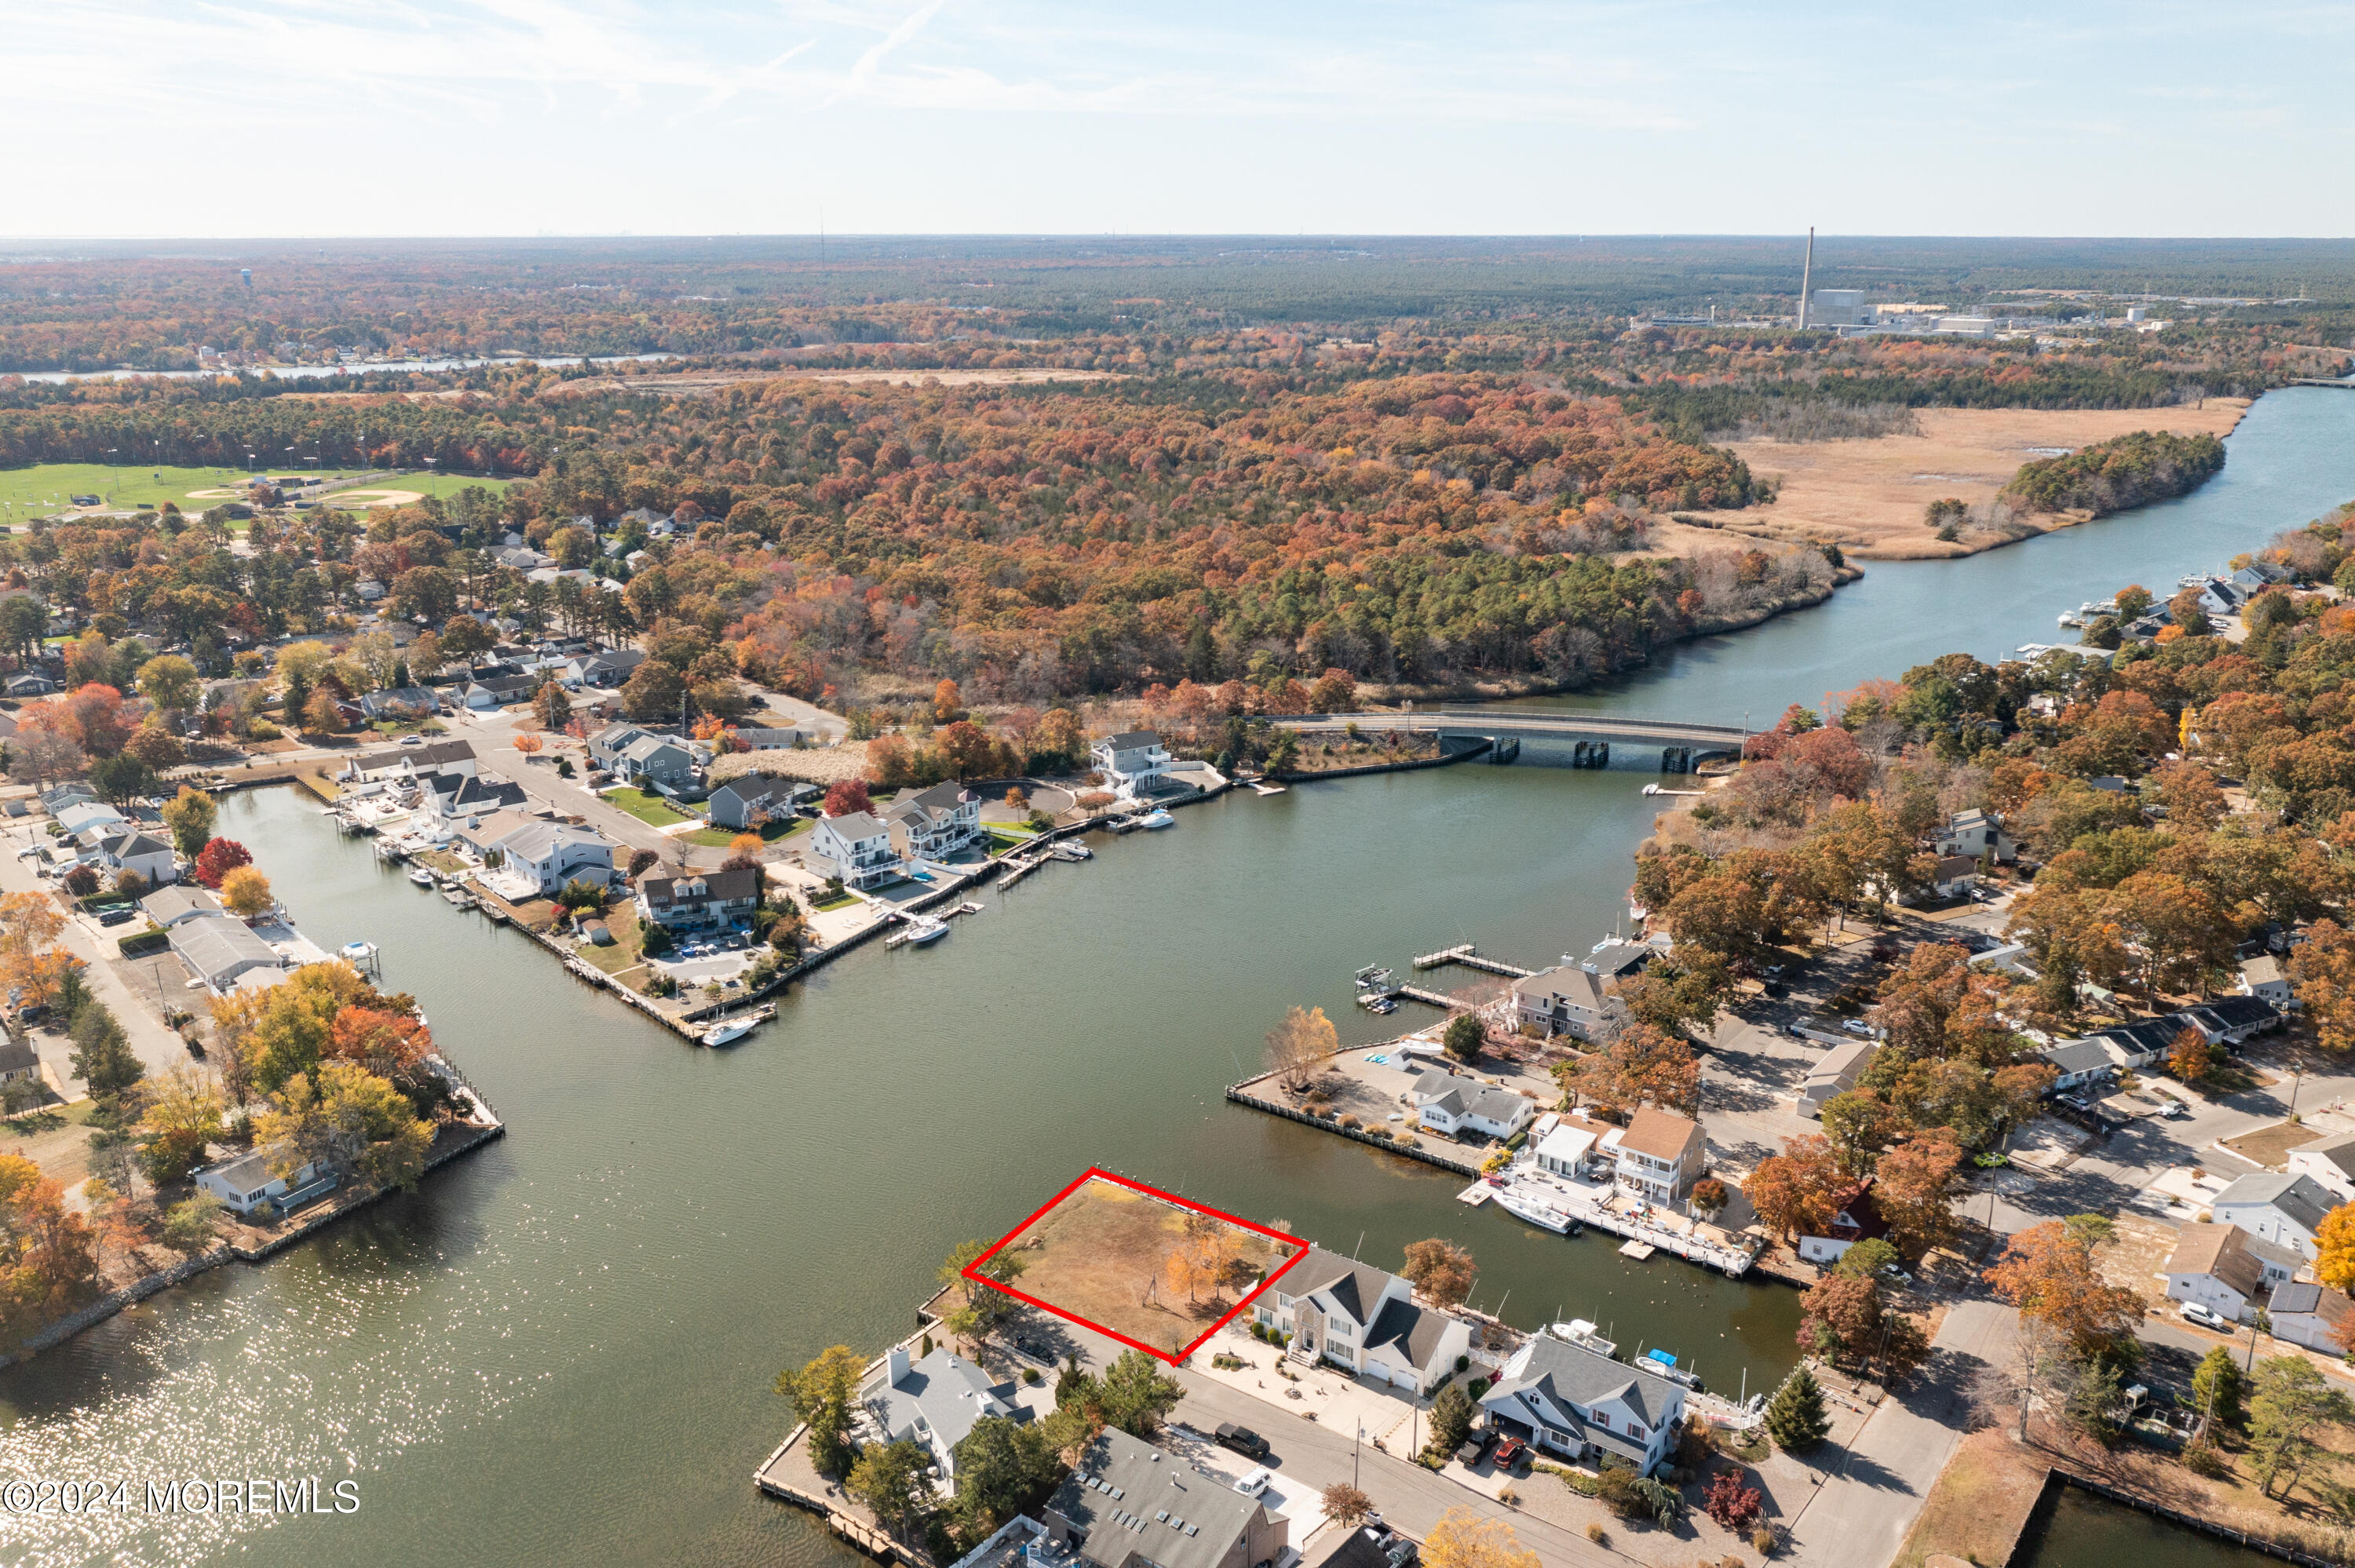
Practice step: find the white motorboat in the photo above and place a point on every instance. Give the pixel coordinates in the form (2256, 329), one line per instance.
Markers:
(1524, 1206)
(1156, 817)
(2071, 617)
(725, 1030)
(1070, 850)
(1580, 1331)
(419, 875)
(924, 928)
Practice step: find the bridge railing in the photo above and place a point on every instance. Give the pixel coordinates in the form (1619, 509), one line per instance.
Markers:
(1522, 717)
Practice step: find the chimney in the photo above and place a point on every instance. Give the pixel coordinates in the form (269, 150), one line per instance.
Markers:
(895, 1365)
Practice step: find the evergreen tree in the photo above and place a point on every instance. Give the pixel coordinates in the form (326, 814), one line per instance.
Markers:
(103, 1057)
(2216, 1391)
(1450, 1420)
(1795, 1417)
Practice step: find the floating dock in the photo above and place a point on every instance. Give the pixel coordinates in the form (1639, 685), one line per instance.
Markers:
(1469, 956)
(1637, 1250)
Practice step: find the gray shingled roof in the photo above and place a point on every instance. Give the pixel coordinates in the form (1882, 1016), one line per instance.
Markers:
(1572, 1376)
(949, 1395)
(2301, 1198)
(1354, 1285)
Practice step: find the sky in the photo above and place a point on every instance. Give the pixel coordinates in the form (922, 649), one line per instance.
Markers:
(262, 118)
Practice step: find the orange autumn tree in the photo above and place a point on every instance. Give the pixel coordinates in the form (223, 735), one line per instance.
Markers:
(2047, 1271)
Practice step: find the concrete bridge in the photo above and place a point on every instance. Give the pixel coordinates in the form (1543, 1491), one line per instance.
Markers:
(1589, 735)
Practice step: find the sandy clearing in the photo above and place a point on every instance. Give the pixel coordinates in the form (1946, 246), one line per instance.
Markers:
(1868, 497)
(382, 497)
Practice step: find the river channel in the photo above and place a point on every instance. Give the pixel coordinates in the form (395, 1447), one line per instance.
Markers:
(559, 1349)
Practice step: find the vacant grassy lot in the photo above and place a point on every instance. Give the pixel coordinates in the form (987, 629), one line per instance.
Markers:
(1132, 1263)
(417, 483)
(1868, 495)
(1981, 1504)
(2270, 1146)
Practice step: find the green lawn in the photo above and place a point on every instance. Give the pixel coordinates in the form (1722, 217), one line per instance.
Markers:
(720, 838)
(442, 484)
(1002, 839)
(648, 809)
(834, 903)
(48, 487)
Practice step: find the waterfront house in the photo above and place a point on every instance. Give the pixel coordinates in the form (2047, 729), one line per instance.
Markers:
(856, 848)
(553, 853)
(2079, 1062)
(734, 803)
(1458, 1106)
(1364, 1319)
(2213, 1267)
(936, 1402)
(1615, 959)
(1127, 1504)
(151, 857)
(936, 823)
(2219, 596)
(2328, 1163)
(169, 906)
(657, 759)
(1857, 1219)
(1131, 762)
(2276, 1207)
(407, 762)
(700, 900)
(1575, 1403)
(1657, 1156)
(1834, 1074)
(1977, 833)
(449, 798)
(481, 835)
(246, 1183)
(224, 953)
(2262, 978)
(1565, 999)
(2307, 1314)
(1566, 1149)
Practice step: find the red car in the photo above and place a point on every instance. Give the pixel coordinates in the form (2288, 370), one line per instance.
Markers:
(1509, 1452)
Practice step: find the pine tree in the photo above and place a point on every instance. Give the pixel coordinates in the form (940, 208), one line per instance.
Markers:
(1795, 1415)
(2216, 1391)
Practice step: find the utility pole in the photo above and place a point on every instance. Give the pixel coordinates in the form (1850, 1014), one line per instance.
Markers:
(1806, 274)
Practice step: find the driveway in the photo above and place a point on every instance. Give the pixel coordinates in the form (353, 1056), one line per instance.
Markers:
(1870, 1488)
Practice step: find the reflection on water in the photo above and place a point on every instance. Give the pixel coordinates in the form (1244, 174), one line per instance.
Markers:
(2079, 1530)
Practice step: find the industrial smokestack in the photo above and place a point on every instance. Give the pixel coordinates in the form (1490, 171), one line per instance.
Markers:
(1807, 272)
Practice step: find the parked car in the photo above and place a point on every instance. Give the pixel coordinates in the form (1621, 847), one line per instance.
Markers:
(1473, 1446)
(1857, 1026)
(1242, 1439)
(1511, 1453)
(1772, 972)
(2207, 1318)
(117, 916)
(1252, 1485)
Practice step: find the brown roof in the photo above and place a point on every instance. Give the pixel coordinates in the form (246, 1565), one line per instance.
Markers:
(2209, 1248)
(1661, 1134)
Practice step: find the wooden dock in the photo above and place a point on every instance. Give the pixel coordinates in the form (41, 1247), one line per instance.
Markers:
(1429, 998)
(1469, 956)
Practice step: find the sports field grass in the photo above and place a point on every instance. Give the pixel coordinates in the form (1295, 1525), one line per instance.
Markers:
(1157, 1272)
(48, 487)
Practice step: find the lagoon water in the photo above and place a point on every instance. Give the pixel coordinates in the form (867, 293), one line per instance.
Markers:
(559, 1349)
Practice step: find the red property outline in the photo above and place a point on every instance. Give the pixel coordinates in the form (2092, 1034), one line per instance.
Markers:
(971, 1271)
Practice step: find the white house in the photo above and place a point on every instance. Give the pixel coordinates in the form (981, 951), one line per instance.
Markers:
(1575, 1403)
(151, 858)
(2262, 978)
(2283, 1209)
(2308, 1314)
(1455, 1107)
(1567, 1150)
(936, 1402)
(2079, 1062)
(1657, 1155)
(1976, 833)
(1363, 1318)
(83, 816)
(1131, 762)
(170, 905)
(408, 761)
(2225, 1269)
(553, 853)
(2330, 1163)
(936, 823)
(2231, 1020)
(245, 1183)
(858, 847)
(1956, 875)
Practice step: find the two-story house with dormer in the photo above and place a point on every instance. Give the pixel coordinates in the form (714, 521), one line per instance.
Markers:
(1568, 1400)
(701, 900)
(1978, 834)
(1131, 762)
(1363, 1318)
(936, 823)
(1565, 999)
(858, 848)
